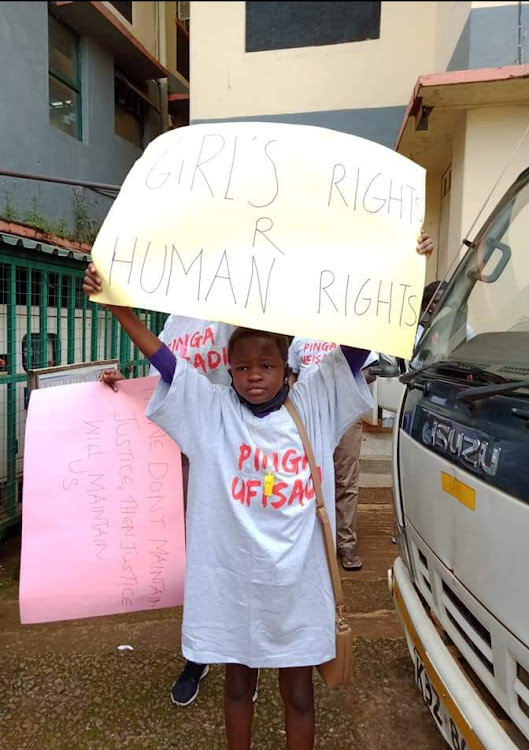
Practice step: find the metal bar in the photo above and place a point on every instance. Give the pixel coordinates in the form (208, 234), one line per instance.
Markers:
(83, 332)
(114, 339)
(124, 352)
(59, 317)
(20, 378)
(59, 180)
(71, 319)
(105, 345)
(28, 258)
(43, 320)
(11, 485)
(135, 351)
(29, 312)
(519, 55)
(68, 368)
(94, 332)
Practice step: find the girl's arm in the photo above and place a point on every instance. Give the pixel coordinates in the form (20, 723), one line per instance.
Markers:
(145, 340)
(355, 357)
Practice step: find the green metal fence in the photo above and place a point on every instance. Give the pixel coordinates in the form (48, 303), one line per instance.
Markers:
(45, 321)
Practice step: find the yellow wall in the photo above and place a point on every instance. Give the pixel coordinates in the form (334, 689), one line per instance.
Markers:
(145, 25)
(153, 25)
(455, 232)
(227, 82)
(492, 137)
(486, 143)
(431, 222)
(450, 19)
(170, 35)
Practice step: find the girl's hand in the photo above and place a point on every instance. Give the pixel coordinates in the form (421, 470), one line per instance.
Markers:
(141, 336)
(92, 283)
(110, 377)
(424, 244)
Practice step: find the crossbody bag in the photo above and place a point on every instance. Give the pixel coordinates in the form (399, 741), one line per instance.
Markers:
(338, 671)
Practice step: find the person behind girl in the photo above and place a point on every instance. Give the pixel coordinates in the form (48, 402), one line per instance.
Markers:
(258, 592)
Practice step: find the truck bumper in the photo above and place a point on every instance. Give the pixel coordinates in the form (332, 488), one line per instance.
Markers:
(458, 710)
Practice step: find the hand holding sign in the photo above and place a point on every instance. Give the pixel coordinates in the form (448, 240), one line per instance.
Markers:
(288, 228)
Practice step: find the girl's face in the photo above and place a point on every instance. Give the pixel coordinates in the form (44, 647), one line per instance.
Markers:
(257, 368)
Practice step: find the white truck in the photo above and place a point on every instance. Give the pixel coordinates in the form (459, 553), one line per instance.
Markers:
(461, 492)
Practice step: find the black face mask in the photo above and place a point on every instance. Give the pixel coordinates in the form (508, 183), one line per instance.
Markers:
(273, 404)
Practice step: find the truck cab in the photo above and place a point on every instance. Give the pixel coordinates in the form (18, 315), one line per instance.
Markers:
(461, 492)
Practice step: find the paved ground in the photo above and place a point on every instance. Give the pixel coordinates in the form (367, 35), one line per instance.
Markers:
(67, 687)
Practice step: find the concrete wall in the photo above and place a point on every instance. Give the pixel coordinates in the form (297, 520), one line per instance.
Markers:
(380, 124)
(432, 221)
(153, 24)
(490, 148)
(170, 36)
(455, 232)
(363, 88)
(359, 87)
(489, 37)
(28, 143)
(450, 21)
(494, 153)
(145, 25)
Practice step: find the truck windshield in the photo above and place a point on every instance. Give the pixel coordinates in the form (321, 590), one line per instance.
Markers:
(482, 321)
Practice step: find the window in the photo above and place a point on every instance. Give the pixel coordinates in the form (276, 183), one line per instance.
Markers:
(282, 25)
(129, 112)
(124, 8)
(482, 318)
(64, 79)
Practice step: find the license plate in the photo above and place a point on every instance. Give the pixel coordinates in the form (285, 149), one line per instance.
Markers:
(444, 722)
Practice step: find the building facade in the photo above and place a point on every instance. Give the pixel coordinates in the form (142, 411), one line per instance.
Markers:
(353, 66)
(90, 84)
(85, 86)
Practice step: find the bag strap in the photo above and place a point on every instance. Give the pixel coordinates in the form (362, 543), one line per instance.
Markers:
(330, 550)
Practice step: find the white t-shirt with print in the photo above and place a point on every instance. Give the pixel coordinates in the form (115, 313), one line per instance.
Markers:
(203, 343)
(306, 354)
(257, 588)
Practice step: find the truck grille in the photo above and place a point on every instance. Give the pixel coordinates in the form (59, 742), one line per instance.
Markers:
(503, 678)
(521, 688)
(425, 572)
(473, 632)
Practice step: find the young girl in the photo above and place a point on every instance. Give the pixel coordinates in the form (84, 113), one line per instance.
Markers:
(258, 591)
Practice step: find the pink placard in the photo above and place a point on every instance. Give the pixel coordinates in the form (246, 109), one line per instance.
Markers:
(103, 519)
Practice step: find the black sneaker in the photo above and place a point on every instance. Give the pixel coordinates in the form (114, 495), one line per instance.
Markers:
(186, 688)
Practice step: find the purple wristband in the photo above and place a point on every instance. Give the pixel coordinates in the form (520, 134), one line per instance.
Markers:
(355, 357)
(165, 362)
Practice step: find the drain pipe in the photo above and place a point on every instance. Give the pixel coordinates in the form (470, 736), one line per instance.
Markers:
(520, 53)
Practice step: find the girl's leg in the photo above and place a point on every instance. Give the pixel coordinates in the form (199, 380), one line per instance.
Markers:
(295, 685)
(239, 687)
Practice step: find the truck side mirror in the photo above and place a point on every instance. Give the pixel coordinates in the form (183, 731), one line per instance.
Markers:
(384, 371)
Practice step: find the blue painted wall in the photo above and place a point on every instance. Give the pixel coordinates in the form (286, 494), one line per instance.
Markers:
(490, 38)
(379, 124)
(28, 143)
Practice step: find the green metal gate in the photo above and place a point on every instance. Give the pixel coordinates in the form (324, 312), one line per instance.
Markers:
(45, 321)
